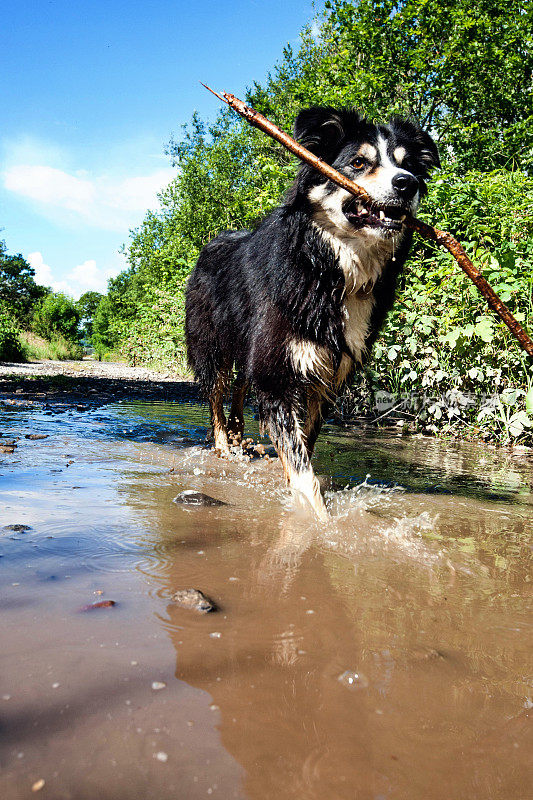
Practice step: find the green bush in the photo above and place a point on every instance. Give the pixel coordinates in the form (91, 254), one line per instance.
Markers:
(155, 337)
(443, 356)
(11, 348)
(57, 315)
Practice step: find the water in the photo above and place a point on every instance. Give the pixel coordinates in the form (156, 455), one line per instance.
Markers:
(384, 655)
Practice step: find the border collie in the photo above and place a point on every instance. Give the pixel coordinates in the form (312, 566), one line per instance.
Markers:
(294, 305)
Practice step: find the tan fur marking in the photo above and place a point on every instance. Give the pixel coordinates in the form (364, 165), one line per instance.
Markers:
(236, 414)
(399, 154)
(367, 151)
(217, 415)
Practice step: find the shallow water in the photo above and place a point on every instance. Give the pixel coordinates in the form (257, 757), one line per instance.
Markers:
(384, 655)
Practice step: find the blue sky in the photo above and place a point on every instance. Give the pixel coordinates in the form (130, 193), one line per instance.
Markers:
(91, 93)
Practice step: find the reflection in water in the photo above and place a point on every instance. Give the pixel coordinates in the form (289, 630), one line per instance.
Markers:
(422, 598)
(442, 667)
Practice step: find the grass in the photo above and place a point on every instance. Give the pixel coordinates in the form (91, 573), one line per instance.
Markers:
(59, 349)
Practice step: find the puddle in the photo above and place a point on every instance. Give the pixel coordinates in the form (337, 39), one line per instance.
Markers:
(384, 655)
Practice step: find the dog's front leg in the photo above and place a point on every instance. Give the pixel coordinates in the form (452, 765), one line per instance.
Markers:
(282, 424)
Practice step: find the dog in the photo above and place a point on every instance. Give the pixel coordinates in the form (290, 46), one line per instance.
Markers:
(293, 306)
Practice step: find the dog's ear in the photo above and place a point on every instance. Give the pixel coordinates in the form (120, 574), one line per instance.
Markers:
(320, 129)
(428, 150)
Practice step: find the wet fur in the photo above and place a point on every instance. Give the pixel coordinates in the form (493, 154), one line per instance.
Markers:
(295, 304)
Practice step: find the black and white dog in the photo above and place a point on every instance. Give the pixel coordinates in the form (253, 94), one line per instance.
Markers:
(295, 304)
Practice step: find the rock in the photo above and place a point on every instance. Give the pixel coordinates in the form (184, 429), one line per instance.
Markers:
(16, 528)
(194, 600)
(190, 497)
(9, 442)
(99, 604)
(36, 436)
(6, 449)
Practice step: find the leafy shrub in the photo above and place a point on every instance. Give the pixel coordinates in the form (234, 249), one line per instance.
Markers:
(155, 336)
(57, 315)
(442, 356)
(10, 345)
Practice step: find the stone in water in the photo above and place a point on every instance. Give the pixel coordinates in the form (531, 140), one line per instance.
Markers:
(194, 600)
(353, 680)
(190, 497)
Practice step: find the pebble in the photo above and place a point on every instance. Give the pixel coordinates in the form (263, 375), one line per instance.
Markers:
(215, 635)
(99, 604)
(16, 528)
(353, 680)
(157, 685)
(161, 756)
(35, 436)
(190, 497)
(38, 785)
(194, 600)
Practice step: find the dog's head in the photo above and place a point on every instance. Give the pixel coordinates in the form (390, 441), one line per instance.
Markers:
(391, 162)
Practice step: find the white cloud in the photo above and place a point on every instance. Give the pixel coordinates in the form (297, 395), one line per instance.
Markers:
(83, 278)
(51, 186)
(102, 201)
(89, 277)
(43, 274)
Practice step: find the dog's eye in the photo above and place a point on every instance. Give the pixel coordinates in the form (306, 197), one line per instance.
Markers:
(359, 163)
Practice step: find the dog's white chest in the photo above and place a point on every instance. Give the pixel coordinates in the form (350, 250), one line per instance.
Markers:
(357, 311)
(361, 263)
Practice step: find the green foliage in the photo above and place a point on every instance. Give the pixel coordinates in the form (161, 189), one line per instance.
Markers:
(18, 290)
(57, 315)
(11, 348)
(57, 349)
(104, 337)
(442, 356)
(87, 305)
(463, 70)
(155, 336)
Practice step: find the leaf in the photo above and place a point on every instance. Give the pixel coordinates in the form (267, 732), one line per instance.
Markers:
(485, 329)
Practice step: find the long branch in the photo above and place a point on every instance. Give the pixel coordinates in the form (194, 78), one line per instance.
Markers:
(434, 234)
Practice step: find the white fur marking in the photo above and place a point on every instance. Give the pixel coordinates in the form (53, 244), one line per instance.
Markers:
(311, 360)
(357, 313)
(361, 257)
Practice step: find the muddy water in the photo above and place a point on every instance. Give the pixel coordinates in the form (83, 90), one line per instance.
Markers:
(384, 655)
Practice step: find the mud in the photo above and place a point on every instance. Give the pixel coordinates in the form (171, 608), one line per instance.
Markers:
(386, 654)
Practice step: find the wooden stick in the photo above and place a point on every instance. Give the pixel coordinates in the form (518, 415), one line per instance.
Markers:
(440, 237)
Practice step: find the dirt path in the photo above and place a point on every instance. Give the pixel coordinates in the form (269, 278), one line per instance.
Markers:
(86, 384)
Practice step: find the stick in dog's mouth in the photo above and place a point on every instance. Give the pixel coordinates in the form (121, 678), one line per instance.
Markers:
(389, 217)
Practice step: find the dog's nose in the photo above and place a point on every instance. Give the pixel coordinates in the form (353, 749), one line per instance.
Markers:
(406, 185)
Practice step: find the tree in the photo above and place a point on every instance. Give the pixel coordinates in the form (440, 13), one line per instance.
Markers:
(87, 305)
(463, 69)
(56, 315)
(103, 338)
(18, 290)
